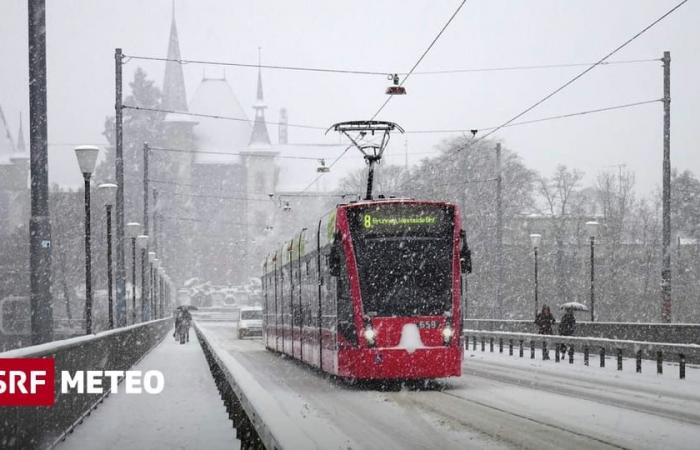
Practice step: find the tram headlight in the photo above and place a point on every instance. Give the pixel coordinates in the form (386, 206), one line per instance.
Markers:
(447, 334)
(370, 335)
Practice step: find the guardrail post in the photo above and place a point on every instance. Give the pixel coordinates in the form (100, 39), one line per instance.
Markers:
(571, 354)
(521, 348)
(556, 352)
(532, 349)
(681, 366)
(510, 347)
(500, 345)
(491, 345)
(483, 344)
(585, 355)
(602, 356)
(619, 359)
(659, 362)
(545, 352)
(639, 361)
(474, 343)
(466, 342)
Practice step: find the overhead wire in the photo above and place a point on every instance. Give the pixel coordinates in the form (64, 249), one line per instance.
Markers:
(216, 116)
(542, 119)
(184, 61)
(256, 155)
(422, 56)
(403, 80)
(584, 72)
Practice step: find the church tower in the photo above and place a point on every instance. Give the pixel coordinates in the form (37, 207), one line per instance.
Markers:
(261, 172)
(179, 134)
(174, 94)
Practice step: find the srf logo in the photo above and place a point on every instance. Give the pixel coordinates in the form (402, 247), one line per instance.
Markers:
(27, 381)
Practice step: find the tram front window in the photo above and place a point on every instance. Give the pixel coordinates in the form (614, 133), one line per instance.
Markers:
(404, 258)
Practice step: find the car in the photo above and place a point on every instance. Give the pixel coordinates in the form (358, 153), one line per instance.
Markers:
(250, 322)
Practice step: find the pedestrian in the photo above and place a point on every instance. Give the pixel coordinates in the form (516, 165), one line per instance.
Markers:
(186, 320)
(545, 320)
(178, 319)
(567, 326)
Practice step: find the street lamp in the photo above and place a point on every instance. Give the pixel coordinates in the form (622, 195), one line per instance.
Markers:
(132, 231)
(161, 290)
(109, 190)
(535, 239)
(87, 158)
(152, 287)
(592, 229)
(156, 288)
(142, 244)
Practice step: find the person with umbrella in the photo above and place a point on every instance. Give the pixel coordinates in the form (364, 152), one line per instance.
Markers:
(567, 326)
(545, 320)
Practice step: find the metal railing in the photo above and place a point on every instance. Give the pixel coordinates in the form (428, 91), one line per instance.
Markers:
(638, 350)
(677, 333)
(118, 349)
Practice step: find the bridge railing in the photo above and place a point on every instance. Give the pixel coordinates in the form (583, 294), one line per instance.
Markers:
(252, 409)
(528, 342)
(677, 333)
(118, 349)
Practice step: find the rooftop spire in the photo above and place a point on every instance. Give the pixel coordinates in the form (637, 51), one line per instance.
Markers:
(21, 147)
(174, 94)
(260, 89)
(259, 134)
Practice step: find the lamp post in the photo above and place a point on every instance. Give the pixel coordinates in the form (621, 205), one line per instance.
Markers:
(87, 158)
(156, 288)
(161, 285)
(132, 231)
(142, 244)
(109, 190)
(592, 228)
(535, 239)
(152, 287)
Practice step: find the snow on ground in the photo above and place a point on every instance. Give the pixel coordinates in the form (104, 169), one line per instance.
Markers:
(188, 414)
(332, 414)
(499, 402)
(622, 407)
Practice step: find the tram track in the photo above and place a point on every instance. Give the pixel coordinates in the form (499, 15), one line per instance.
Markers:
(503, 426)
(660, 403)
(492, 405)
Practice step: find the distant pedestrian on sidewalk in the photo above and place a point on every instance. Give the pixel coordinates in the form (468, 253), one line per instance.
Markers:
(567, 326)
(544, 321)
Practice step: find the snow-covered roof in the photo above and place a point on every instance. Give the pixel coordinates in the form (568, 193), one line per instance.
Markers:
(215, 97)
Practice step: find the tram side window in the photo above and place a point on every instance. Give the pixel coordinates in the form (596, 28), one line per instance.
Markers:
(346, 322)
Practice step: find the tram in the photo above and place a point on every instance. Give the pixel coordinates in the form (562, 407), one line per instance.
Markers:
(371, 291)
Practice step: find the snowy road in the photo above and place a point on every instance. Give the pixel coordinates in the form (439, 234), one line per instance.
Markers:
(499, 402)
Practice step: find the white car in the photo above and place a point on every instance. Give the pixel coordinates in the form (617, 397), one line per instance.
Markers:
(250, 322)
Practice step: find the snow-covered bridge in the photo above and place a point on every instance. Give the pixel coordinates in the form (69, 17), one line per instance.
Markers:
(500, 401)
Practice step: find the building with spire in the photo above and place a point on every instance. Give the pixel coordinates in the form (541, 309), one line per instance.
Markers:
(236, 196)
(14, 176)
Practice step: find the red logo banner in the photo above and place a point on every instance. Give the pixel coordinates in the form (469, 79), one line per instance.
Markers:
(27, 381)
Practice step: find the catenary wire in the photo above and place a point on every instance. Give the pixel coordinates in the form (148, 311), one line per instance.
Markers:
(542, 119)
(385, 73)
(422, 56)
(584, 72)
(215, 116)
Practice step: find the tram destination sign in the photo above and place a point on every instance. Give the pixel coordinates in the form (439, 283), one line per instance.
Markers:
(401, 219)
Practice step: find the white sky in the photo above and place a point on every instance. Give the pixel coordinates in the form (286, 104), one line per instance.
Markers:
(386, 36)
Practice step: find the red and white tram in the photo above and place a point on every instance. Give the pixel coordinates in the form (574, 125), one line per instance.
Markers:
(371, 291)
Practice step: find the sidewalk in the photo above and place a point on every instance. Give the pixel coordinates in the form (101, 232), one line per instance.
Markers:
(188, 414)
